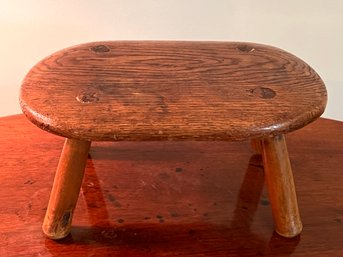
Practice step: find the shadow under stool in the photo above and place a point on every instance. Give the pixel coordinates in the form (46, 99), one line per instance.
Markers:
(165, 90)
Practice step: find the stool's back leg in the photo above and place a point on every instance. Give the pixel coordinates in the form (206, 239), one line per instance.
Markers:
(66, 188)
(256, 145)
(281, 189)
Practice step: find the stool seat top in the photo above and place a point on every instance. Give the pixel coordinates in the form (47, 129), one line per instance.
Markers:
(165, 90)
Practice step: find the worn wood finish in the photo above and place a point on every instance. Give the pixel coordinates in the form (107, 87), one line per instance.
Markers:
(281, 189)
(170, 198)
(148, 90)
(66, 188)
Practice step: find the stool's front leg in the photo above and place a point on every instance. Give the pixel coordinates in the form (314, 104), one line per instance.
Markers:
(281, 189)
(66, 188)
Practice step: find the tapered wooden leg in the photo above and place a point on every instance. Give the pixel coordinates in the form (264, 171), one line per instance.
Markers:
(279, 179)
(256, 145)
(66, 188)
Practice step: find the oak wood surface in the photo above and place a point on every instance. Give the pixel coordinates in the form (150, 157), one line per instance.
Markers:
(66, 188)
(160, 90)
(170, 198)
(281, 189)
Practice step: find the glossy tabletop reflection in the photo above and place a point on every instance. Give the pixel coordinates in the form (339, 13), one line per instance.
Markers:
(170, 198)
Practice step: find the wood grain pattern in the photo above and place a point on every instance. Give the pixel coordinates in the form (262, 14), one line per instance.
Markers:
(66, 188)
(256, 145)
(151, 90)
(281, 189)
(170, 198)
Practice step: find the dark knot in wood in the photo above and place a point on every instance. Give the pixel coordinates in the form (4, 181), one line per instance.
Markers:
(262, 92)
(245, 48)
(100, 49)
(87, 97)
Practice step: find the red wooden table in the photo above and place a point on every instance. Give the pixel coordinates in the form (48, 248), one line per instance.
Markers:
(170, 198)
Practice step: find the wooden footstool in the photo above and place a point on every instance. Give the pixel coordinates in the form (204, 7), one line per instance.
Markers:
(150, 90)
